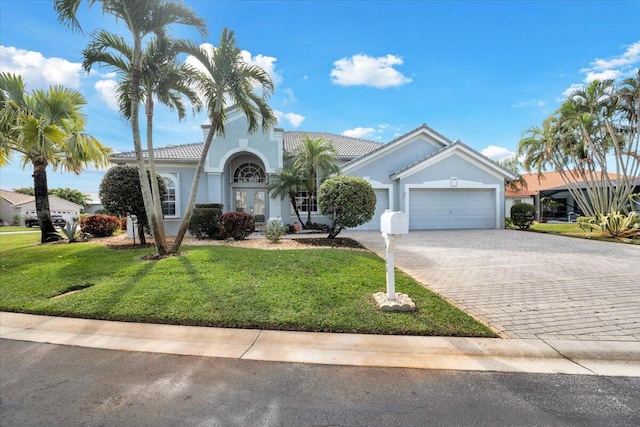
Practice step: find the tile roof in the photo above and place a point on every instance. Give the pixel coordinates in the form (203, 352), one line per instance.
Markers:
(451, 147)
(346, 145)
(170, 152)
(540, 182)
(16, 199)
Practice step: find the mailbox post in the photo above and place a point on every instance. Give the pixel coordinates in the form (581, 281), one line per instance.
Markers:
(393, 225)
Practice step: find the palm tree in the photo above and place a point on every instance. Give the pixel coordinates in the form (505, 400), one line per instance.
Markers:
(287, 182)
(46, 127)
(142, 18)
(226, 78)
(162, 77)
(316, 159)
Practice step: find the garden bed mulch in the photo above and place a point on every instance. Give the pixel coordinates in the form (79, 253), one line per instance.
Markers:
(122, 242)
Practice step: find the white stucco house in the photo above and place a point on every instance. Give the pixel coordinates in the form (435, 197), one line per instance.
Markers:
(22, 206)
(438, 183)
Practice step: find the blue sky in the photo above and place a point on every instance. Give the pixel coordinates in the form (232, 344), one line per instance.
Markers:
(482, 72)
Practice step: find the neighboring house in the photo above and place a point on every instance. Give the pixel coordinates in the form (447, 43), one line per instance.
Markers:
(438, 183)
(21, 206)
(94, 204)
(548, 186)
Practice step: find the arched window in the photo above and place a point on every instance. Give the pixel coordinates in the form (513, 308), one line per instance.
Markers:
(249, 172)
(170, 201)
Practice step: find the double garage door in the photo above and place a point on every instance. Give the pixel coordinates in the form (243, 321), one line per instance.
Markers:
(449, 209)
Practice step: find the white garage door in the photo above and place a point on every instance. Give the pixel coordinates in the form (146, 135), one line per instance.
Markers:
(451, 209)
(382, 203)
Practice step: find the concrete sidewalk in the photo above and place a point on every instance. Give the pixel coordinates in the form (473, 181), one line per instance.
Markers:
(606, 358)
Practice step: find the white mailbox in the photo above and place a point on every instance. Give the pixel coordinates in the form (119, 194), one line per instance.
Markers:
(394, 223)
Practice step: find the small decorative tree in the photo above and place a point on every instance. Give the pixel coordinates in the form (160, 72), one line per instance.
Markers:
(523, 214)
(347, 201)
(120, 194)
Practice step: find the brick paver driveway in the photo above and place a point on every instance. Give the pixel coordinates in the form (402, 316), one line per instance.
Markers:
(527, 285)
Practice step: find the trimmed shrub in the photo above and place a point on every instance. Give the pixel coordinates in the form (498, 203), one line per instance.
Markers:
(347, 201)
(210, 206)
(205, 222)
(100, 225)
(523, 215)
(275, 230)
(237, 225)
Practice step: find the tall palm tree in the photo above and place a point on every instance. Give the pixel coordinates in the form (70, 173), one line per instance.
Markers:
(162, 77)
(46, 128)
(287, 182)
(142, 18)
(226, 78)
(316, 159)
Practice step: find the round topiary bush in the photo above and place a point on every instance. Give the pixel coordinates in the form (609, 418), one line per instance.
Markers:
(523, 215)
(347, 201)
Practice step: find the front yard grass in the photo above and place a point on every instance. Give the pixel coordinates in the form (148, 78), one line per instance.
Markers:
(11, 228)
(573, 230)
(303, 290)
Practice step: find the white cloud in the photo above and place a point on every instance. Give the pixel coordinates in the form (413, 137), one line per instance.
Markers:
(267, 63)
(294, 119)
(613, 68)
(602, 75)
(619, 66)
(365, 70)
(629, 57)
(498, 153)
(37, 71)
(107, 91)
(571, 90)
(358, 132)
(530, 103)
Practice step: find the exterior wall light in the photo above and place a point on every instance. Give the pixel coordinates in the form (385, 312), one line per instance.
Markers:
(454, 181)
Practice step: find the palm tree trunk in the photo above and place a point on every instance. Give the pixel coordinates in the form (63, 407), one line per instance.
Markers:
(295, 208)
(40, 188)
(158, 238)
(186, 219)
(155, 190)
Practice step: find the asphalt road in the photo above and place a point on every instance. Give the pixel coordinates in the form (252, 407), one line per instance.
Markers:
(52, 385)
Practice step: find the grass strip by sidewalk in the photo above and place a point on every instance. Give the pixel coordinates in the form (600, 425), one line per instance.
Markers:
(573, 230)
(304, 290)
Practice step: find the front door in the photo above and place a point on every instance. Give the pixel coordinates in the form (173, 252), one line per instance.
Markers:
(251, 201)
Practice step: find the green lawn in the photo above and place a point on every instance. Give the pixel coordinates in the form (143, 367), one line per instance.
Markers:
(306, 290)
(18, 228)
(568, 228)
(574, 230)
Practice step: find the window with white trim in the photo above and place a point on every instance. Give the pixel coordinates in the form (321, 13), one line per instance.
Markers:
(170, 200)
(307, 201)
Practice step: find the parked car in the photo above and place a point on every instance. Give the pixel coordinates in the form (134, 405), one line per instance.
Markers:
(58, 220)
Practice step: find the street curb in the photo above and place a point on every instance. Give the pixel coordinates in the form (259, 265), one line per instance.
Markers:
(605, 358)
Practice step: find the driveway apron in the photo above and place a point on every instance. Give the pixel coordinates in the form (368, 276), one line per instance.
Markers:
(525, 284)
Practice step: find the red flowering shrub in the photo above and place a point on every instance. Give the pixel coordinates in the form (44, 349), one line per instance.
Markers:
(237, 225)
(100, 225)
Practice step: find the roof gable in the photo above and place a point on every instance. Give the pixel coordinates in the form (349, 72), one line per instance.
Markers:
(16, 199)
(429, 135)
(19, 199)
(457, 148)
